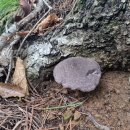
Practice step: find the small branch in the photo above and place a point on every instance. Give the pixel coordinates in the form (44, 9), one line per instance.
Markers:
(96, 124)
(31, 32)
(31, 119)
(5, 38)
(47, 4)
(50, 8)
(10, 68)
(17, 124)
(73, 104)
(27, 19)
(11, 31)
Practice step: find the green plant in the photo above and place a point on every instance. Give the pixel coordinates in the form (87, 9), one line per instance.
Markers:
(7, 10)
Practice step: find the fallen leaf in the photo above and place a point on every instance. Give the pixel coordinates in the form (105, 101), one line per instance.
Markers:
(68, 114)
(22, 33)
(25, 6)
(10, 90)
(47, 22)
(19, 76)
(77, 115)
(41, 27)
(24, 10)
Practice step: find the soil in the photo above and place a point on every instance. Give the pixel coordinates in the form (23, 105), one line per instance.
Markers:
(45, 108)
(111, 103)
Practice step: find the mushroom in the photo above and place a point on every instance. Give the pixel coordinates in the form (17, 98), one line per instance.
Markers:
(78, 73)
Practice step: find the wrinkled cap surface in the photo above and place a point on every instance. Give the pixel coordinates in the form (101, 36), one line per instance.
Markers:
(78, 73)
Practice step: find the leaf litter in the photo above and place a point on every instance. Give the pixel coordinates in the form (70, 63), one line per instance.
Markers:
(107, 107)
(19, 87)
(19, 76)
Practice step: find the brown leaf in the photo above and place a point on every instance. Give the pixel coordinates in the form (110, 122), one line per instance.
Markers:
(19, 76)
(10, 90)
(47, 22)
(22, 33)
(24, 10)
(25, 6)
(77, 115)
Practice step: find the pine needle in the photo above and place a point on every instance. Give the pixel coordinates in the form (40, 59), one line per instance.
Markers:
(72, 104)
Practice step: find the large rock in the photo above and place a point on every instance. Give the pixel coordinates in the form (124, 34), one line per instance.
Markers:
(78, 73)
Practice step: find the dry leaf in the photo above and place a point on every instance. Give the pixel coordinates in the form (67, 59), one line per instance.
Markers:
(68, 114)
(19, 76)
(47, 22)
(24, 10)
(77, 115)
(25, 6)
(22, 33)
(10, 90)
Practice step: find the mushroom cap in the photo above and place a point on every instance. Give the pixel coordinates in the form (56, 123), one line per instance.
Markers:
(78, 73)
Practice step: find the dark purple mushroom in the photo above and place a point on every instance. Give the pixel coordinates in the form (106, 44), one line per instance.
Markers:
(78, 73)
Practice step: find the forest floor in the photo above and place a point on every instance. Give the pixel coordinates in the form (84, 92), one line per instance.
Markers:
(50, 107)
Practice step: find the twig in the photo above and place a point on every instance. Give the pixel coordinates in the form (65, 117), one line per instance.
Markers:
(16, 39)
(47, 4)
(5, 128)
(72, 9)
(67, 126)
(50, 8)
(96, 124)
(65, 106)
(6, 37)
(27, 116)
(31, 118)
(10, 67)
(17, 124)
(32, 88)
(70, 124)
(53, 128)
(30, 32)
(15, 27)
(4, 120)
(45, 118)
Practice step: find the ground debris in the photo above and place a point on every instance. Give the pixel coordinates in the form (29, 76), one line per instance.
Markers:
(106, 106)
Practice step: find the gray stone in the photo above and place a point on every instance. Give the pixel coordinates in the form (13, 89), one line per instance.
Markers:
(78, 73)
